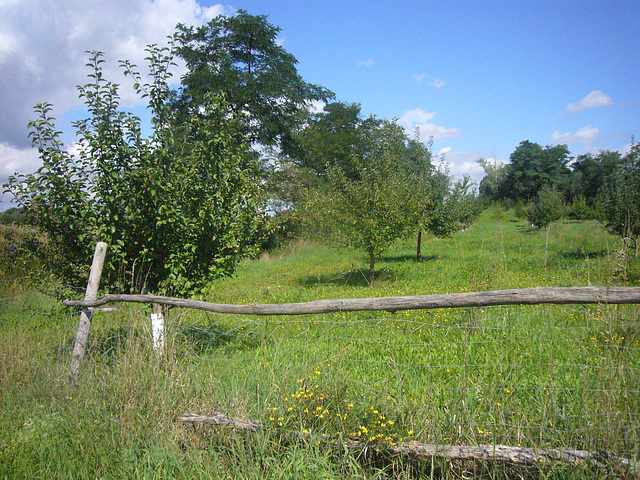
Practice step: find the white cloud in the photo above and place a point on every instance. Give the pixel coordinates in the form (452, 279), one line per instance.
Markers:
(417, 115)
(43, 44)
(42, 56)
(428, 130)
(419, 77)
(595, 99)
(316, 106)
(466, 163)
(583, 135)
(625, 149)
(14, 160)
(438, 83)
(366, 63)
(419, 119)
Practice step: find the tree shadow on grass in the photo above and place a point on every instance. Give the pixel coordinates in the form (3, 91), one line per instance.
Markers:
(355, 277)
(115, 340)
(203, 339)
(580, 254)
(409, 258)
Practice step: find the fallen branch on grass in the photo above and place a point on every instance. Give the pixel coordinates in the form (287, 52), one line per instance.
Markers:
(500, 453)
(525, 296)
(222, 420)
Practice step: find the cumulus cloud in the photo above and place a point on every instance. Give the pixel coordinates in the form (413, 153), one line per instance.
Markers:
(366, 63)
(316, 106)
(13, 160)
(583, 135)
(415, 116)
(595, 99)
(436, 82)
(465, 163)
(42, 56)
(419, 119)
(43, 44)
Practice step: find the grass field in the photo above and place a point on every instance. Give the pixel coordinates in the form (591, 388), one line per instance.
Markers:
(531, 376)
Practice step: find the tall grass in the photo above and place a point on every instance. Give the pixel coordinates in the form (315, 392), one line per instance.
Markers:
(535, 376)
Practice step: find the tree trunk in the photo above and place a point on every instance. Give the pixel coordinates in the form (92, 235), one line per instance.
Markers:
(418, 249)
(372, 264)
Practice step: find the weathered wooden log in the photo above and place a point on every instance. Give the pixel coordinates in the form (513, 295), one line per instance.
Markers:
(526, 296)
(222, 420)
(543, 457)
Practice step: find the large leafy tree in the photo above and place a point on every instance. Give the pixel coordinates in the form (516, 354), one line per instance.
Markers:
(177, 209)
(532, 168)
(590, 173)
(490, 184)
(334, 137)
(240, 57)
(367, 207)
(370, 183)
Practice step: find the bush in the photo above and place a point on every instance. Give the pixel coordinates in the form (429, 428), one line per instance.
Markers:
(580, 210)
(548, 208)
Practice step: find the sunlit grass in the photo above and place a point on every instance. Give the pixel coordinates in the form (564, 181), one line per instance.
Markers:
(534, 376)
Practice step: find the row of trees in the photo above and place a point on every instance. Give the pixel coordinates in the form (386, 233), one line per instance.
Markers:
(363, 183)
(604, 186)
(533, 168)
(183, 206)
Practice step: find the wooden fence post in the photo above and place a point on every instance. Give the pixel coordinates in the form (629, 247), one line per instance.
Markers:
(80, 345)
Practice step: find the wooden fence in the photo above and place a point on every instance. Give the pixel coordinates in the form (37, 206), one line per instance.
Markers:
(527, 296)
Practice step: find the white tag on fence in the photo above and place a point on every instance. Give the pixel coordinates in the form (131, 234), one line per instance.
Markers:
(157, 330)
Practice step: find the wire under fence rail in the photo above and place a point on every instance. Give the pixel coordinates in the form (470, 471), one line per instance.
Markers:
(536, 376)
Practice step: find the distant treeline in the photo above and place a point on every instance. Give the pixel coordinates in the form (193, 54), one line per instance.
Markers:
(545, 184)
(13, 216)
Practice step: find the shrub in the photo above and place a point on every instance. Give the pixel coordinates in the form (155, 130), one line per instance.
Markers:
(548, 208)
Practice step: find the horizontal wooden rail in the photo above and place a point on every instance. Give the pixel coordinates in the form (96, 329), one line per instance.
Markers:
(526, 296)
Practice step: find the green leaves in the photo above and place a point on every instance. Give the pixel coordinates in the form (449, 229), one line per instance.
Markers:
(177, 209)
(619, 200)
(377, 193)
(239, 57)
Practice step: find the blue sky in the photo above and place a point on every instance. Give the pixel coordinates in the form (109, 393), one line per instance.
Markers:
(479, 77)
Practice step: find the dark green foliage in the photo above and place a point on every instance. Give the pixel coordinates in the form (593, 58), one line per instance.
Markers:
(619, 200)
(240, 57)
(548, 208)
(334, 137)
(580, 209)
(489, 187)
(176, 210)
(533, 168)
(371, 183)
(590, 173)
(465, 203)
(370, 207)
(13, 216)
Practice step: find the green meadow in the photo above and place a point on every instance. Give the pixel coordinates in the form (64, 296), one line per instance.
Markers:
(532, 376)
